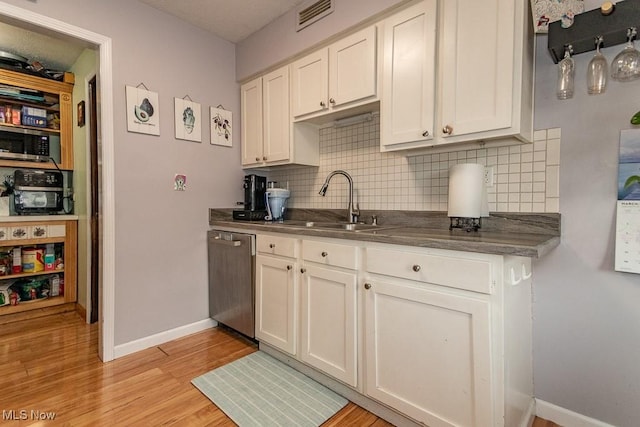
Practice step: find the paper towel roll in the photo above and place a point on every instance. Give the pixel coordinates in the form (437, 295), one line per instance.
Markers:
(466, 188)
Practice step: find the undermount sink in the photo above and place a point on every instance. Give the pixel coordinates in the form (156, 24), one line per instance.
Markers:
(338, 226)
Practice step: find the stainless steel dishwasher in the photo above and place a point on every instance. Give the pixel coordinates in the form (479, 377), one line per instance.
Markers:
(231, 279)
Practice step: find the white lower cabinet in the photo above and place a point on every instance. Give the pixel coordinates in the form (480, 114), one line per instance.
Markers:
(328, 310)
(276, 292)
(439, 333)
(441, 337)
(428, 353)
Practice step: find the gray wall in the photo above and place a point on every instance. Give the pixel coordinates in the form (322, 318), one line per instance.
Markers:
(161, 274)
(586, 316)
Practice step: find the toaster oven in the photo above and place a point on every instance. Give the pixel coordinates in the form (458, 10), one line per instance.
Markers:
(37, 191)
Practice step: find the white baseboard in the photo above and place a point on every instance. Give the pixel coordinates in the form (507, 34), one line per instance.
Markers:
(565, 417)
(162, 337)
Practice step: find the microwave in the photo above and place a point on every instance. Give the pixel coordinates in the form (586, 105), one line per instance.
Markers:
(18, 146)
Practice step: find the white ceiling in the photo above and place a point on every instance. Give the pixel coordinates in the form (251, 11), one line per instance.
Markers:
(232, 20)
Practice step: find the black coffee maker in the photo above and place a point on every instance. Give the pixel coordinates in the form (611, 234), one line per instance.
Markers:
(255, 187)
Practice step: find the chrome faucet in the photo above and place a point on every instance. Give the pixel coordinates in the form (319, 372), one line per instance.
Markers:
(354, 212)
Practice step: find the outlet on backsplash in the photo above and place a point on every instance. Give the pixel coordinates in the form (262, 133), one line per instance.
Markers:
(489, 177)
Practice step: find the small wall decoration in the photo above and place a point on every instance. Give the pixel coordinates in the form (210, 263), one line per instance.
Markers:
(547, 11)
(142, 110)
(180, 182)
(221, 126)
(81, 113)
(188, 120)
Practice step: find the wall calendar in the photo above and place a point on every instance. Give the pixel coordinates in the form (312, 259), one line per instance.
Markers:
(627, 257)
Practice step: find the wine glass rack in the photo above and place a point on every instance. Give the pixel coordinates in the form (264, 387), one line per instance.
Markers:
(589, 25)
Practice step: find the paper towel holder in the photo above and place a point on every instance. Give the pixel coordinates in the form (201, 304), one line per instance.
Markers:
(465, 223)
(467, 202)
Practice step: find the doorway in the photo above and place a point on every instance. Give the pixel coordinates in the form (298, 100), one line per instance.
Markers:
(105, 139)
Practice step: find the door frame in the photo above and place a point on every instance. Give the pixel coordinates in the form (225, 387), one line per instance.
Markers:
(106, 137)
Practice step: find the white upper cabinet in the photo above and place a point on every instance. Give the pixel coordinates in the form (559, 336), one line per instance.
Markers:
(310, 79)
(483, 67)
(266, 124)
(352, 68)
(408, 75)
(251, 124)
(276, 118)
(340, 76)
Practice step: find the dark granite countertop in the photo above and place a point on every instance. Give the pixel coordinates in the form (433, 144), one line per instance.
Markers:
(529, 235)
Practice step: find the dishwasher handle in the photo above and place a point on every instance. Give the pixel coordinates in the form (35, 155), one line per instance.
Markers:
(218, 241)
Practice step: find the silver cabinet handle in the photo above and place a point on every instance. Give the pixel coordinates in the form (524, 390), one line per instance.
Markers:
(289, 267)
(257, 159)
(331, 100)
(322, 104)
(416, 268)
(447, 130)
(264, 158)
(219, 241)
(367, 286)
(303, 270)
(425, 133)
(324, 254)
(272, 245)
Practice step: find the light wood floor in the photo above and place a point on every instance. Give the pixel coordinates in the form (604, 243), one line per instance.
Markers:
(50, 365)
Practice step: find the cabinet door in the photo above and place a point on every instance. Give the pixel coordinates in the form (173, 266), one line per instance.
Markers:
(428, 354)
(275, 302)
(309, 88)
(276, 119)
(477, 66)
(352, 68)
(251, 111)
(328, 322)
(408, 97)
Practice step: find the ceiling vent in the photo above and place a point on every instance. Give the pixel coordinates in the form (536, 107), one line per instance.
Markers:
(313, 11)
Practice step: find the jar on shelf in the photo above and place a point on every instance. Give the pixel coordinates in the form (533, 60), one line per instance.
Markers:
(5, 263)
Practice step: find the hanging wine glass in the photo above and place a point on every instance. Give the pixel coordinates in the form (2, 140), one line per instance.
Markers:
(566, 72)
(626, 65)
(597, 71)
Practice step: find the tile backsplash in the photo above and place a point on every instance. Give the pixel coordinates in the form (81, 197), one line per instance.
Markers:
(526, 175)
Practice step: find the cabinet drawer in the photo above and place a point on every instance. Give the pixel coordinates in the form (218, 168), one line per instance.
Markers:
(448, 270)
(276, 245)
(56, 230)
(330, 254)
(38, 231)
(18, 233)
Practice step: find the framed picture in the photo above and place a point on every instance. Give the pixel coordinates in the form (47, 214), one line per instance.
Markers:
(221, 127)
(188, 120)
(142, 111)
(81, 113)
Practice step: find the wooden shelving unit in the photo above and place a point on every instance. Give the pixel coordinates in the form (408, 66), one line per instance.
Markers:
(68, 237)
(61, 94)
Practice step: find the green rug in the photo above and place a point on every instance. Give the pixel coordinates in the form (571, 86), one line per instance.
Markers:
(258, 390)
